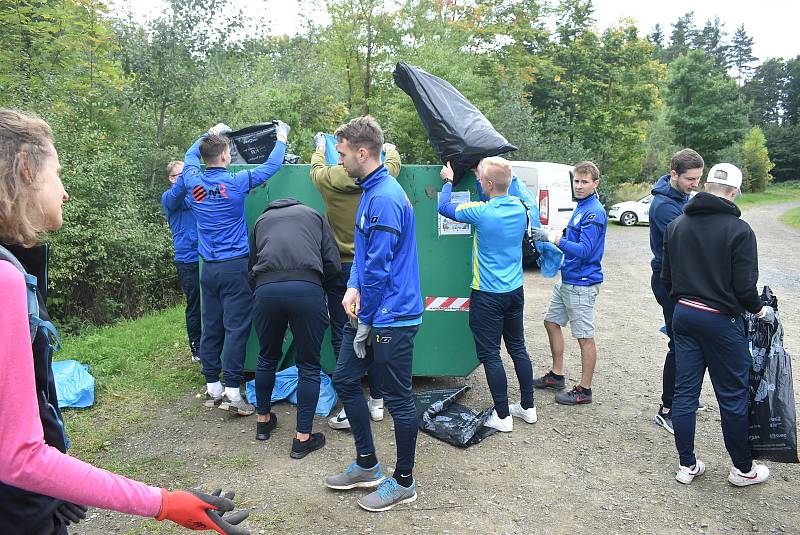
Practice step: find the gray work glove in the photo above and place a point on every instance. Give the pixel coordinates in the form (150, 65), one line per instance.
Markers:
(72, 513)
(769, 315)
(540, 234)
(361, 340)
(219, 129)
(282, 128)
(319, 140)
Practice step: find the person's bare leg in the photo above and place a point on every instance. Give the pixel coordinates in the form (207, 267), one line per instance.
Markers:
(302, 437)
(556, 338)
(262, 418)
(588, 360)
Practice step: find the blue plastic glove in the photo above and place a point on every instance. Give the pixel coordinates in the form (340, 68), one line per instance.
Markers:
(361, 340)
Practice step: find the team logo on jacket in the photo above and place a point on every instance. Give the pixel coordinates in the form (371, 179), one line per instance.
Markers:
(200, 193)
(382, 339)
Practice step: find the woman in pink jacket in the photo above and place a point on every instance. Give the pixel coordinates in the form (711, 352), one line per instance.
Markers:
(40, 484)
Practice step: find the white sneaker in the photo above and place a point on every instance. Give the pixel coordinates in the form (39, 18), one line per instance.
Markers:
(686, 474)
(375, 409)
(505, 425)
(529, 415)
(339, 421)
(758, 474)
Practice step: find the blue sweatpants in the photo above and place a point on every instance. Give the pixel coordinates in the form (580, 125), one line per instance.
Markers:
(227, 307)
(339, 318)
(668, 309)
(715, 341)
(493, 316)
(390, 354)
(189, 275)
(300, 305)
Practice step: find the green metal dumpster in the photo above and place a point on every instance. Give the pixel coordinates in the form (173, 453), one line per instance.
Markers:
(444, 343)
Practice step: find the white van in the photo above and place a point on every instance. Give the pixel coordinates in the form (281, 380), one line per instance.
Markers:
(551, 185)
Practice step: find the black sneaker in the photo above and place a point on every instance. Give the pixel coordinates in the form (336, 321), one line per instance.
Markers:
(664, 419)
(550, 380)
(263, 429)
(577, 396)
(301, 449)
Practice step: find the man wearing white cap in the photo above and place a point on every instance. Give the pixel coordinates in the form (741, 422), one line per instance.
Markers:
(710, 267)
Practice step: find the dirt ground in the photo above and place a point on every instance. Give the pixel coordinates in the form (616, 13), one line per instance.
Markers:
(602, 468)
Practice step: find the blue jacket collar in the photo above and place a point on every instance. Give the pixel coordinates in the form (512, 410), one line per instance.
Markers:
(374, 178)
(588, 200)
(664, 187)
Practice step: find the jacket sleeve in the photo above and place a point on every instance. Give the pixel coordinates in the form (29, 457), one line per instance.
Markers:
(745, 272)
(591, 234)
(392, 162)
(26, 461)
(664, 214)
(331, 262)
(252, 258)
(192, 157)
(666, 274)
(385, 217)
(173, 199)
(354, 281)
(320, 174)
(265, 171)
(468, 212)
(332, 177)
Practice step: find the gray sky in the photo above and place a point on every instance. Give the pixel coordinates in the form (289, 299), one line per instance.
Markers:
(771, 23)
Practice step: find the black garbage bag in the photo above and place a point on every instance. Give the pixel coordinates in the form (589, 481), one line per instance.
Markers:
(773, 421)
(450, 421)
(253, 144)
(457, 130)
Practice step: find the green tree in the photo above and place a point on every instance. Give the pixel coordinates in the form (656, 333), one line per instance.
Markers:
(711, 39)
(682, 38)
(741, 55)
(766, 91)
(703, 105)
(757, 165)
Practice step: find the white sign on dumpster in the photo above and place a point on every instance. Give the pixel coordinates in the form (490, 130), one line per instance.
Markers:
(448, 227)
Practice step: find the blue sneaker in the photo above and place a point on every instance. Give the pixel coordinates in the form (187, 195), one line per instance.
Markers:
(389, 494)
(355, 476)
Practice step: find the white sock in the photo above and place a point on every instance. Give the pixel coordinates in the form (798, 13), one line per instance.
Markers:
(215, 389)
(233, 394)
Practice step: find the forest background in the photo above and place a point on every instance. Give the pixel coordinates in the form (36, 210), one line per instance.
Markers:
(125, 97)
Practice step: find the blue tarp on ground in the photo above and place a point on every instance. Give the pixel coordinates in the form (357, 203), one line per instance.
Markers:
(286, 388)
(74, 384)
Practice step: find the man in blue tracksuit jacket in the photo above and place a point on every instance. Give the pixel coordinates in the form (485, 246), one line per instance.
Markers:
(384, 303)
(497, 300)
(184, 240)
(670, 195)
(217, 199)
(574, 297)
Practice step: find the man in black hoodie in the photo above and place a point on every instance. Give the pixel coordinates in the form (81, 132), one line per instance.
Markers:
(670, 195)
(293, 259)
(710, 267)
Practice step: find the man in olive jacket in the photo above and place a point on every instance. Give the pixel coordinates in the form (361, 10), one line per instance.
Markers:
(341, 195)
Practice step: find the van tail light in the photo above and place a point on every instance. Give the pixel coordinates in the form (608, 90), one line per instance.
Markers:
(544, 206)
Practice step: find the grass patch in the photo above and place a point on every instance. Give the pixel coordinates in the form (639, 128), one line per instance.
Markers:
(792, 217)
(775, 193)
(137, 365)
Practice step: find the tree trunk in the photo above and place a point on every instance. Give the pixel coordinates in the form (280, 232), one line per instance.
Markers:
(159, 137)
(368, 59)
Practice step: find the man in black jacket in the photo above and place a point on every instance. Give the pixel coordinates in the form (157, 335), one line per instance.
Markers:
(293, 257)
(710, 267)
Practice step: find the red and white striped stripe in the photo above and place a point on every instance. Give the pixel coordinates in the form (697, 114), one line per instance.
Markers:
(447, 304)
(698, 305)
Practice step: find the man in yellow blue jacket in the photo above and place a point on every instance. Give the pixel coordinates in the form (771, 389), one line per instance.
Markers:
(497, 300)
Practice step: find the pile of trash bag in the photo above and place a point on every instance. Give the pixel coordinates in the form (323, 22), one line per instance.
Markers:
(457, 130)
(773, 421)
(442, 417)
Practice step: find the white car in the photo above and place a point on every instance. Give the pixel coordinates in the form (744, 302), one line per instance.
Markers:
(629, 213)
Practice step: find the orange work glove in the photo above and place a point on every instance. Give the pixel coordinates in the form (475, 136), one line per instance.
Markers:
(199, 511)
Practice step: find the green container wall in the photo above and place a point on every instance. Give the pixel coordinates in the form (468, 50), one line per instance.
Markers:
(443, 346)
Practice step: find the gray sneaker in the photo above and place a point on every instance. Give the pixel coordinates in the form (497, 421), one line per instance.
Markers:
(212, 401)
(240, 406)
(388, 494)
(355, 476)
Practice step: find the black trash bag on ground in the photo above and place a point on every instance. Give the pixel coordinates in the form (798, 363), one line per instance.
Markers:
(450, 421)
(457, 130)
(773, 421)
(253, 144)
